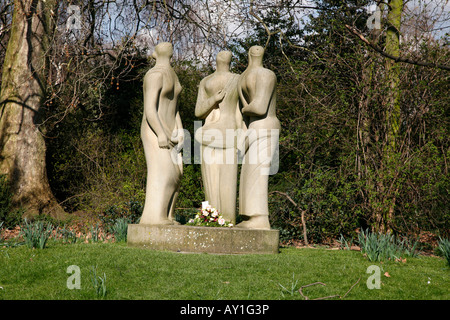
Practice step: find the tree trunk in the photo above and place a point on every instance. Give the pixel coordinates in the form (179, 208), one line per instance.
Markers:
(22, 146)
(393, 48)
(393, 115)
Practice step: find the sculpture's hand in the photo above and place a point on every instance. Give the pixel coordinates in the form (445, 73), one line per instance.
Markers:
(219, 95)
(180, 143)
(163, 142)
(247, 107)
(177, 139)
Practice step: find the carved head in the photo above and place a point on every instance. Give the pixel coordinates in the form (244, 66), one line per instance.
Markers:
(255, 55)
(163, 49)
(256, 51)
(224, 57)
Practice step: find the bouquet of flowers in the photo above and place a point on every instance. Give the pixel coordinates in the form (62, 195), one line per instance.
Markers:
(209, 217)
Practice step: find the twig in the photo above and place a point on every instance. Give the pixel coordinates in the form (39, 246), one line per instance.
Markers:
(327, 297)
(312, 284)
(351, 288)
(308, 285)
(396, 59)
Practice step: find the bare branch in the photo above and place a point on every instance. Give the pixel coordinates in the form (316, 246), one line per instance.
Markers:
(396, 59)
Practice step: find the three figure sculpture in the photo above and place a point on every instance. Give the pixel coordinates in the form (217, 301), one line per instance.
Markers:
(239, 113)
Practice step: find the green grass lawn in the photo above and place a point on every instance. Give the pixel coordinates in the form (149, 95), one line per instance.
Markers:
(133, 273)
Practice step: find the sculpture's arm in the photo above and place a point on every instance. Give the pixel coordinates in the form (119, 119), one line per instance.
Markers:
(265, 86)
(204, 103)
(152, 89)
(178, 134)
(241, 95)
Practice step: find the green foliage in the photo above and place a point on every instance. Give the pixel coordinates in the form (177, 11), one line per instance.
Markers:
(115, 219)
(95, 233)
(67, 235)
(331, 103)
(191, 190)
(130, 210)
(444, 248)
(120, 229)
(344, 243)
(36, 233)
(98, 283)
(382, 247)
(291, 289)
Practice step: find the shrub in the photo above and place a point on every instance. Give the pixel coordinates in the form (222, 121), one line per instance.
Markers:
(131, 210)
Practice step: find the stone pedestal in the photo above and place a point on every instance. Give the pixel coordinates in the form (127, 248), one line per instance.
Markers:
(182, 238)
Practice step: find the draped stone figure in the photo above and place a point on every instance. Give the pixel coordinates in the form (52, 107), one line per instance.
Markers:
(217, 103)
(162, 138)
(257, 93)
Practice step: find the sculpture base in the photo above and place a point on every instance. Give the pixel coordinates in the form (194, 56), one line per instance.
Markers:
(181, 238)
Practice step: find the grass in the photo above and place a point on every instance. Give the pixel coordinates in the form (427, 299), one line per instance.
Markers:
(134, 273)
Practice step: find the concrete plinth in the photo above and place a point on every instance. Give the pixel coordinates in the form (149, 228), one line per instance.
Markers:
(182, 238)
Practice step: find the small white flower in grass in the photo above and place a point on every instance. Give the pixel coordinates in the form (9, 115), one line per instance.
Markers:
(191, 220)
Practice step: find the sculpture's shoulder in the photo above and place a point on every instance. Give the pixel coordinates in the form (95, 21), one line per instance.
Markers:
(205, 79)
(267, 74)
(154, 75)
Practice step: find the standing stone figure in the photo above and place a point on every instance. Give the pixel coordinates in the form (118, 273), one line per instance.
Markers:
(162, 137)
(218, 104)
(257, 92)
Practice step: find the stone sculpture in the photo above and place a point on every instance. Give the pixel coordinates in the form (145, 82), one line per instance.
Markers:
(162, 137)
(257, 93)
(217, 103)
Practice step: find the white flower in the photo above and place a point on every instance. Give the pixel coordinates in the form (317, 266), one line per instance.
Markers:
(205, 213)
(214, 213)
(221, 221)
(230, 225)
(191, 220)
